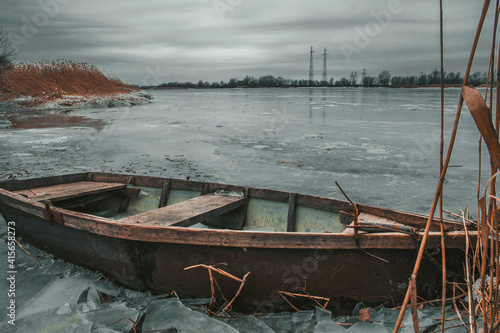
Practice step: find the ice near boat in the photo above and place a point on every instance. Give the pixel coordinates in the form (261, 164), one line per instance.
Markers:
(142, 232)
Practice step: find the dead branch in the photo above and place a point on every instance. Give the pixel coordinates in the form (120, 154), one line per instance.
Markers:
(238, 291)
(456, 307)
(213, 283)
(457, 216)
(215, 269)
(314, 298)
(175, 294)
(289, 303)
(25, 250)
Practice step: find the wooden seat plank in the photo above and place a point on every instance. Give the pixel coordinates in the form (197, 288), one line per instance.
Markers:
(188, 212)
(69, 190)
(364, 217)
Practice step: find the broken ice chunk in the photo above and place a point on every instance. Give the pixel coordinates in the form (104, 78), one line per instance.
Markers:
(116, 316)
(55, 295)
(328, 326)
(163, 314)
(107, 287)
(73, 322)
(247, 324)
(65, 309)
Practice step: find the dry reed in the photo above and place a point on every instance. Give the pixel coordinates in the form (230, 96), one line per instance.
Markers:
(46, 81)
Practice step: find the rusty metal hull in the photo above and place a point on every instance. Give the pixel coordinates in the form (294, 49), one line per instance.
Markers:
(373, 270)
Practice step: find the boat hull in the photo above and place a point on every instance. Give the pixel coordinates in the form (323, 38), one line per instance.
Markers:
(346, 276)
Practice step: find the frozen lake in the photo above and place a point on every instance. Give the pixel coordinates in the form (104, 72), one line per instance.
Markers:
(381, 145)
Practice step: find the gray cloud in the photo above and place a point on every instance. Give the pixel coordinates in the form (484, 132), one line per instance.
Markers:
(218, 39)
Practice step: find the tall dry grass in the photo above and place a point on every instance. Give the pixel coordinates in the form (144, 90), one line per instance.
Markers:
(52, 80)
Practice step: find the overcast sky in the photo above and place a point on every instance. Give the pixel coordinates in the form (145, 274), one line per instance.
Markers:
(156, 41)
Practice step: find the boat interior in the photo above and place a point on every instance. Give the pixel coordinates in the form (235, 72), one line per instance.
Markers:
(184, 203)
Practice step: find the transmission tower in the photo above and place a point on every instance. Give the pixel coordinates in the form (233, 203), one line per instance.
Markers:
(311, 68)
(363, 73)
(324, 76)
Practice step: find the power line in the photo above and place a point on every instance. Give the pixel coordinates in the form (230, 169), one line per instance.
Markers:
(324, 76)
(311, 68)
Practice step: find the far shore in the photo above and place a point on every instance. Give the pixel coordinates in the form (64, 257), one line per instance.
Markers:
(329, 86)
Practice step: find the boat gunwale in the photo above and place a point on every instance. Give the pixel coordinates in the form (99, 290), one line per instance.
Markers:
(306, 200)
(229, 238)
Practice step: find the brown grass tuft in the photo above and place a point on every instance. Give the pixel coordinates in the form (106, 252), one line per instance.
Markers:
(46, 81)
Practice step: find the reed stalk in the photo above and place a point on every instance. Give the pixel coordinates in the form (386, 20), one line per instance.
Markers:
(441, 161)
(446, 163)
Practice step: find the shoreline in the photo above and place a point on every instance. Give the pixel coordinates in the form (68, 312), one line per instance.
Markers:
(78, 101)
(414, 86)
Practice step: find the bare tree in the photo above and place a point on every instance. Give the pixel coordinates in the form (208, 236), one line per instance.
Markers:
(7, 50)
(384, 77)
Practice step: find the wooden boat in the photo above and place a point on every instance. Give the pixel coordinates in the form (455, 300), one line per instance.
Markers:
(142, 232)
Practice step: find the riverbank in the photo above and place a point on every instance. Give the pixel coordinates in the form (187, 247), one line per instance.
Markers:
(308, 87)
(78, 101)
(64, 84)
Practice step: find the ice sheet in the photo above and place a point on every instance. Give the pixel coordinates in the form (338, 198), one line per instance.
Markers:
(164, 314)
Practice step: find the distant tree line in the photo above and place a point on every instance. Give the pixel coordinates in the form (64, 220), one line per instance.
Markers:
(434, 78)
(383, 79)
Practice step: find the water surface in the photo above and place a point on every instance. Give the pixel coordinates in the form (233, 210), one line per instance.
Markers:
(380, 144)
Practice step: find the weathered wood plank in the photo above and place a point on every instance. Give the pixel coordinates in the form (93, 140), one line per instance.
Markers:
(330, 205)
(14, 185)
(148, 181)
(23, 204)
(214, 187)
(232, 238)
(187, 185)
(188, 212)
(259, 193)
(69, 190)
(164, 193)
(364, 217)
(110, 178)
(160, 233)
(414, 220)
(291, 213)
(130, 192)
